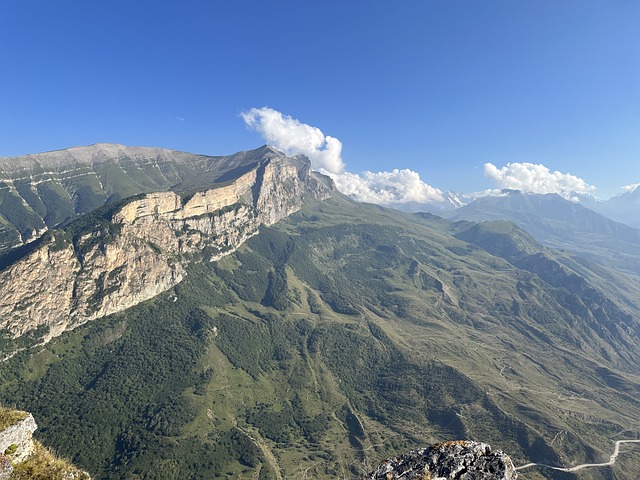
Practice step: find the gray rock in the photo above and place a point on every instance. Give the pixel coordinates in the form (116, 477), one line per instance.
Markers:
(459, 460)
(6, 468)
(20, 434)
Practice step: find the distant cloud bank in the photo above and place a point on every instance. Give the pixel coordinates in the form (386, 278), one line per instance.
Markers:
(294, 137)
(387, 188)
(399, 186)
(536, 178)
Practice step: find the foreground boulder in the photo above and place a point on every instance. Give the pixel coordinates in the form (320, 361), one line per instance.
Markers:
(459, 460)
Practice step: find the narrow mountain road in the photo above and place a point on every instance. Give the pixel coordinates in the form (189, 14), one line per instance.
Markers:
(611, 461)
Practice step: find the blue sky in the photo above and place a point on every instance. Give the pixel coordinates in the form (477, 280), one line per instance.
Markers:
(438, 87)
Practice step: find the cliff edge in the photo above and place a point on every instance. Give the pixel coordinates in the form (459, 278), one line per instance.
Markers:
(121, 255)
(22, 458)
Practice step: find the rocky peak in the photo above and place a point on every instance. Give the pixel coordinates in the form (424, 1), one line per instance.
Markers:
(459, 460)
(43, 190)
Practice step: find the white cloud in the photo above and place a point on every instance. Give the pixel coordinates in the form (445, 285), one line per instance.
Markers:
(631, 187)
(536, 178)
(294, 137)
(490, 192)
(387, 188)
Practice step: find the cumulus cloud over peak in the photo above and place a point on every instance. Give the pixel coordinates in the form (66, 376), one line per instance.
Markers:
(536, 178)
(294, 137)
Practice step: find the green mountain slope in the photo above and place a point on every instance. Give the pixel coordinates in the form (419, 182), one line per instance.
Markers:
(338, 337)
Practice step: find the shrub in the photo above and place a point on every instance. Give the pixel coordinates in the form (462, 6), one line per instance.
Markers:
(11, 449)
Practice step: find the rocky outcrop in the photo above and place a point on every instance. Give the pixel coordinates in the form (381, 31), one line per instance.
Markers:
(16, 441)
(26, 458)
(80, 274)
(460, 460)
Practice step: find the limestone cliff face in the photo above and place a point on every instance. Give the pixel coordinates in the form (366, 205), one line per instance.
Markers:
(143, 250)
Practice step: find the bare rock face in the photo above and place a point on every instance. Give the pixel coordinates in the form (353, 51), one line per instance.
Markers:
(143, 250)
(460, 460)
(23, 453)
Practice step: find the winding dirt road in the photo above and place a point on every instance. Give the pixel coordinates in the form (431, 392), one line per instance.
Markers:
(611, 461)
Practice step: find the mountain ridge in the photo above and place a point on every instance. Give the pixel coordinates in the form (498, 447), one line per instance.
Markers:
(561, 224)
(40, 191)
(622, 208)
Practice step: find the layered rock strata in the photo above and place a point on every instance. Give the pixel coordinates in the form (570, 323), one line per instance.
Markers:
(460, 460)
(143, 249)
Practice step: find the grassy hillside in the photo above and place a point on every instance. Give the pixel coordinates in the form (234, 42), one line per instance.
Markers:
(43, 464)
(339, 337)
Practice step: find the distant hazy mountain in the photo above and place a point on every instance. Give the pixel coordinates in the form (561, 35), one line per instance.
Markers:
(624, 208)
(450, 201)
(561, 224)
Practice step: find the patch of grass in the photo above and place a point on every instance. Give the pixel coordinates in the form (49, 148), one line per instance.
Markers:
(10, 416)
(43, 464)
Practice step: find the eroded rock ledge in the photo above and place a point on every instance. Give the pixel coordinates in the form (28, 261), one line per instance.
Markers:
(459, 460)
(17, 438)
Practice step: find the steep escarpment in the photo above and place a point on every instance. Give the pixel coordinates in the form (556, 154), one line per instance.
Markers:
(121, 256)
(40, 191)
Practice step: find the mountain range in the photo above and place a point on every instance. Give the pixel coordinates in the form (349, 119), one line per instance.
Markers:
(169, 315)
(561, 224)
(621, 208)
